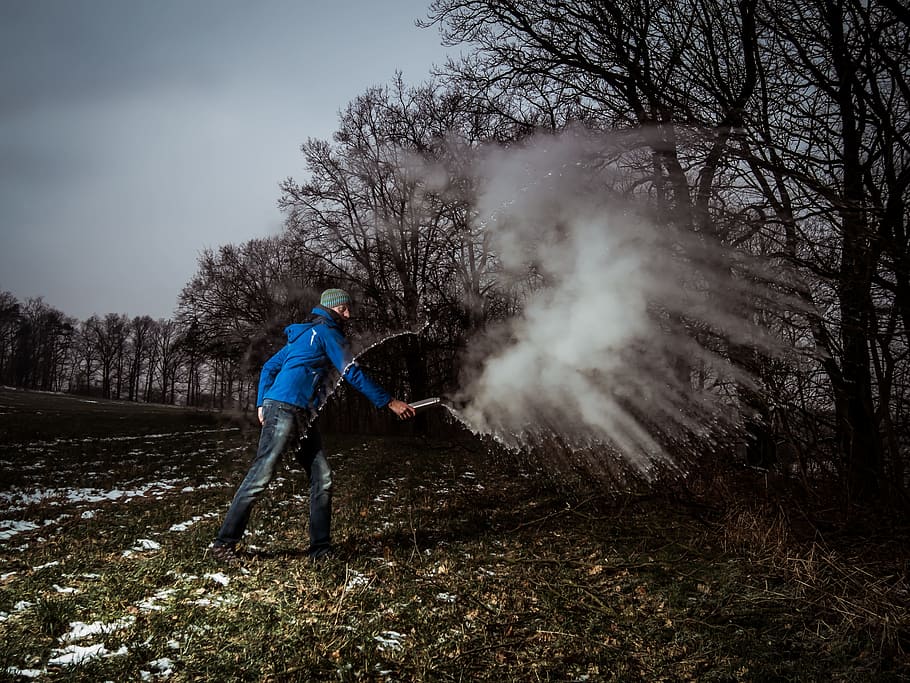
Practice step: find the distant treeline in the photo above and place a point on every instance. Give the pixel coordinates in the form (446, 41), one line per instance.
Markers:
(779, 129)
(138, 359)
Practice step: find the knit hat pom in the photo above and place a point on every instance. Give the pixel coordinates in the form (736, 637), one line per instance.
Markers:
(334, 297)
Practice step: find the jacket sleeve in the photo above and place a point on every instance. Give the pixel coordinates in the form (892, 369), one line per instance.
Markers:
(269, 371)
(339, 353)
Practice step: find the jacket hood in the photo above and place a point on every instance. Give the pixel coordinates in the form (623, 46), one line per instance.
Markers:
(331, 316)
(294, 330)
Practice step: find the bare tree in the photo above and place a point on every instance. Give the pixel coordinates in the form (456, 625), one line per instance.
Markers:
(828, 149)
(139, 345)
(237, 303)
(9, 323)
(168, 358)
(41, 336)
(372, 213)
(109, 336)
(794, 114)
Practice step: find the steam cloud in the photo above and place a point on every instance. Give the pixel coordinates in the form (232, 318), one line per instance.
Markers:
(599, 354)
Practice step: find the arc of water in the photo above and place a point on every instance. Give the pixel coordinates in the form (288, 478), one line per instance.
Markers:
(395, 335)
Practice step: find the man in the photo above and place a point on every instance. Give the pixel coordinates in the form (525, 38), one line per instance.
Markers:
(292, 385)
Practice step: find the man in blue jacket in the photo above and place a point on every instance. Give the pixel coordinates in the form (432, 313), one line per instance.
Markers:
(292, 385)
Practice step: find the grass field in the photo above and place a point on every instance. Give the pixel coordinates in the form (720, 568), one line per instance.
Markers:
(453, 565)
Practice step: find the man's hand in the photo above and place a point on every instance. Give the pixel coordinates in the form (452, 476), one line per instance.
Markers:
(261, 414)
(401, 409)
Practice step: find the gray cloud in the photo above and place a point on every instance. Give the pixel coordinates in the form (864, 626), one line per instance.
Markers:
(135, 134)
(53, 51)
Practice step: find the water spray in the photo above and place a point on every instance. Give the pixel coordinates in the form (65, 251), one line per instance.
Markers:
(598, 364)
(314, 414)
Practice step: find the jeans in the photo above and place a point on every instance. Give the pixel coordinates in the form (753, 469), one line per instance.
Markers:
(284, 425)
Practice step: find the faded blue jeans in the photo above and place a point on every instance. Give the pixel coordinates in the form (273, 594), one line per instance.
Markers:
(284, 424)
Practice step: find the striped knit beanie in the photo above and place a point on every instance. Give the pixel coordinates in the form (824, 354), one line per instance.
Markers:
(334, 297)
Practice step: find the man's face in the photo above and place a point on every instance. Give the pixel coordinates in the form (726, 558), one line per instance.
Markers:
(343, 310)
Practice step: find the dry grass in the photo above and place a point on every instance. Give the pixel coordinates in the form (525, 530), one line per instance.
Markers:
(454, 563)
(855, 589)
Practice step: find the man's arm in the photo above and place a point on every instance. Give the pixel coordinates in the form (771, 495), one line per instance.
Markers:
(268, 373)
(339, 353)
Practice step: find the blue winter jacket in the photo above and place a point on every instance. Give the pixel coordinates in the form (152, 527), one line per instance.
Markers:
(299, 373)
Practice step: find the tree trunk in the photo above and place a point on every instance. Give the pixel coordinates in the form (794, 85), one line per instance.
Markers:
(415, 362)
(860, 443)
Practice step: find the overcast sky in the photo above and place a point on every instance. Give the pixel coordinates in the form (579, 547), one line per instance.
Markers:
(135, 133)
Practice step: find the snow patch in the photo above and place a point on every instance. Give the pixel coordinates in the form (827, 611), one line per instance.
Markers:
(357, 579)
(183, 526)
(45, 566)
(64, 589)
(219, 578)
(142, 545)
(73, 655)
(79, 630)
(150, 604)
(25, 673)
(11, 527)
(389, 640)
(162, 667)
